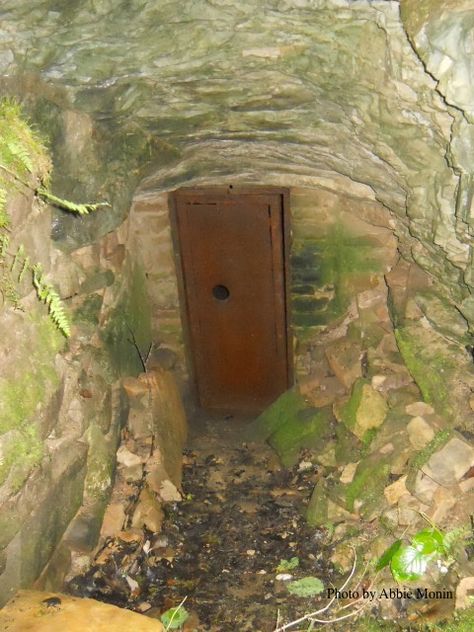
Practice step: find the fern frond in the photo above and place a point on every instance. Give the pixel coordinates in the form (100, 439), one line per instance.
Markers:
(48, 295)
(4, 218)
(20, 154)
(4, 243)
(9, 292)
(18, 256)
(26, 265)
(81, 209)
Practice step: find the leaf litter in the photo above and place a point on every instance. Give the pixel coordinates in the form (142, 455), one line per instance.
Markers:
(222, 548)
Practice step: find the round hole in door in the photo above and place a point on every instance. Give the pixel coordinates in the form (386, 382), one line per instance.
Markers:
(220, 292)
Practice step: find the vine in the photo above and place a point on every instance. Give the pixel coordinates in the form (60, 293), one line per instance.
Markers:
(23, 155)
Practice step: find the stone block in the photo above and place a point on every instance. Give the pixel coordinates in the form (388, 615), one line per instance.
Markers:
(30, 610)
(344, 358)
(420, 433)
(448, 465)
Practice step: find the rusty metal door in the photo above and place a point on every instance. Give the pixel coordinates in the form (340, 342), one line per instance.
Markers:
(234, 269)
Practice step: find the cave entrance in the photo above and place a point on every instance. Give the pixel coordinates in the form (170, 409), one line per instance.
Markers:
(233, 256)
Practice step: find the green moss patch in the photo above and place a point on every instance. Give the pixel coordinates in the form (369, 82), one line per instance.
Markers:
(437, 442)
(131, 314)
(308, 428)
(23, 451)
(284, 409)
(430, 366)
(370, 479)
(324, 273)
(33, 377)
(89, 311)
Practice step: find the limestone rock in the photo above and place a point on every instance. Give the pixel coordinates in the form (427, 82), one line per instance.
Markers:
(420, 433)
(419, 408)
(448, 465)
(365, 410)
(444, 500)
(344, 358)
(114, 519)
(348, 472)
(396, 490)
(465, 593)
(343, 557)
(424, 487)
(127, 458)
(409, 511)
(29, 611)
(148, 512)
(168, 492)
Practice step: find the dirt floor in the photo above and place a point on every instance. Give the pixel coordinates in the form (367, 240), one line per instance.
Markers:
(226, 547)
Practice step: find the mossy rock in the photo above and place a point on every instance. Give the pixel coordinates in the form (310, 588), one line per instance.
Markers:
(308, 428)
(317, 512)
(348, 447)
(431, 365)
(370, 479)
(132, 314)
(365, 411)
(275, 416)
(89, 310)
(34, 378)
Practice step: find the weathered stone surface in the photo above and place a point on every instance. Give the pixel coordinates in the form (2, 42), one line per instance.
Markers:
(419, 408)
(307, 428)
(344, 358)
(448, 465)
(148, 512)
(423, 487)
(464, 593)
(114, 520)
(365, 410)
(29, 611)
(420, 432)
(396, 490)
(127, 458)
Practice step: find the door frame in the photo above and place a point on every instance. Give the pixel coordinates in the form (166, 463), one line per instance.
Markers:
(230, 190)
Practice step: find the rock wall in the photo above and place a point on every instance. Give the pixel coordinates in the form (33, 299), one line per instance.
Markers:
(62, 406)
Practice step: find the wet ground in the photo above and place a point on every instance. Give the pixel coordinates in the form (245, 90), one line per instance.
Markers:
(221, 548)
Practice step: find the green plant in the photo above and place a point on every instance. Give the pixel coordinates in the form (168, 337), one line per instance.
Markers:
(24, 163)
(288, 565)
(174, 618)
(410, 561)
(306, 587)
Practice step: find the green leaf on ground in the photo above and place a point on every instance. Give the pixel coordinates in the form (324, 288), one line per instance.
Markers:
(429, 541)
(174, 618)
(288, 565)
(386, 557)
(409, 563)
(306, 587)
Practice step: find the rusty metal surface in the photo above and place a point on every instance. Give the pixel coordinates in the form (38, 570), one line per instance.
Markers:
(233, 264)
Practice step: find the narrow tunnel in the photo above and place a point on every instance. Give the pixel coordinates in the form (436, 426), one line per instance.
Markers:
(236, 387)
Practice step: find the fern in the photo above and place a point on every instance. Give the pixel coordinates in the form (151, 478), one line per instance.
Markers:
(26, 265)
(4, 218)
(48, 295)
(24, 162)
(81, 209)
(4, 243)
(9, 292)
(20, 155)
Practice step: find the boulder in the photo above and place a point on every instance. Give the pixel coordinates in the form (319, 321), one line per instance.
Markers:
(35, 611)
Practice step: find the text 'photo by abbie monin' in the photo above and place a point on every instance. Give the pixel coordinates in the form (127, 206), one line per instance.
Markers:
(414, 593)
